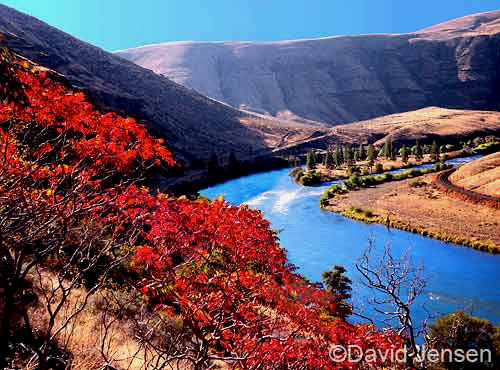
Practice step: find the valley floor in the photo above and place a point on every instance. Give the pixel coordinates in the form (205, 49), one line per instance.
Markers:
(425, 210)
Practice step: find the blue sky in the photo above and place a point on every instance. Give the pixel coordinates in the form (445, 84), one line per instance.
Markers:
(120, 24)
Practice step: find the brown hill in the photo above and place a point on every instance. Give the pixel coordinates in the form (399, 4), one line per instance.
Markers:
(481, 175)
(194, 125)
(427, 124)
(345, 78)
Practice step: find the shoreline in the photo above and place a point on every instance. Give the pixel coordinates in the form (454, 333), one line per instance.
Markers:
(482, 246)
(194, 181)
(425, 210)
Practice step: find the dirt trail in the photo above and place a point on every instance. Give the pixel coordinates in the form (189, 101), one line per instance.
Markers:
(443, 181)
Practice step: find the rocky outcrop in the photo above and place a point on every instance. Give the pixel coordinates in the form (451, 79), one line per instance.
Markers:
(343, 79)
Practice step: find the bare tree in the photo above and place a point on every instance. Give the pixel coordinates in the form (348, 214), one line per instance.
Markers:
(57, 229)
(396, 283)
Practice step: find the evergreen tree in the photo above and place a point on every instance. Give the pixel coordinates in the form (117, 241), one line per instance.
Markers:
(348, 157)
(311, 160)
(335, 158)
(362, 153)
(435, 151)
(404, 154)
(427, 149)
(371, 156)
(386, 151)
(419, 155)
(340, 285)
(329, 159)
(389, 152)
(392, 151)
(339, 156)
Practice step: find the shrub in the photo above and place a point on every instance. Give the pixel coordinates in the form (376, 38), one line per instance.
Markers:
(309, 178)
(462, 331)
(488, 147)
(368, 213)
(413, 172)
(295, 171)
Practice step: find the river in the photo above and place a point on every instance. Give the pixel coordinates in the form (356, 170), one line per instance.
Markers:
(460, 278)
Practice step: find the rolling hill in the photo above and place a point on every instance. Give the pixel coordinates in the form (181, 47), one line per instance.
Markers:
(481, 176)
(342, 79)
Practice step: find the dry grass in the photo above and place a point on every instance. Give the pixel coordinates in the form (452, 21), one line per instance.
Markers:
(95, 337)
(481, 176)
(427, 209)
(425, 124)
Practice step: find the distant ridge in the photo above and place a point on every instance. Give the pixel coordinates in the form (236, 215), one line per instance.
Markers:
(342, 79)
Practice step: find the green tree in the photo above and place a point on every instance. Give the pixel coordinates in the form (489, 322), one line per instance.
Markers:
(419, 154)
(340, 155)
(348, 157)
(371, 156)
(427, 149)
(339, 284)
(362, 152)
(389, 149)
(404, 154)
(311, 160)
(460, 331)
(435, 151)
(330, 162)
(392, 151)
(385, 149)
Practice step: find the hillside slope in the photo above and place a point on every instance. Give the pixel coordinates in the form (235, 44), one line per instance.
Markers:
(194, 125)
(346, 78)
(481, 176)
(426, 125)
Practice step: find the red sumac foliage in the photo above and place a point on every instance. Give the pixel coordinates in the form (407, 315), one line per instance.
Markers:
(215, 269)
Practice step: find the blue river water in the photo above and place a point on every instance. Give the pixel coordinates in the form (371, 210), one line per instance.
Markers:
(459, 278)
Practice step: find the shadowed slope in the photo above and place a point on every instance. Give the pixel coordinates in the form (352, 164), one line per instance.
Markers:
(194, 125)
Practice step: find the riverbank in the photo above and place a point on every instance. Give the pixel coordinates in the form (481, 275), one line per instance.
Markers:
(420, 207)
(192, 181)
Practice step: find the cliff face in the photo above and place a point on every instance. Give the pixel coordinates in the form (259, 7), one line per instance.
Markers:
(194, 125)
(343, 79)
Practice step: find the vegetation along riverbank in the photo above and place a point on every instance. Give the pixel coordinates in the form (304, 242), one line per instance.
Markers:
(418, 206)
